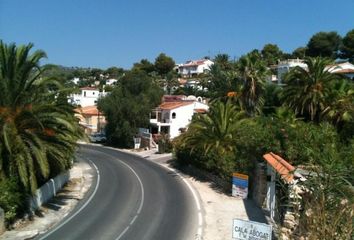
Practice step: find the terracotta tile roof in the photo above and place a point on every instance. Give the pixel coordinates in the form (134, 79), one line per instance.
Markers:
(88, 88)
(344, 71)
(282, 167)
(200, 110)
(173, 98)
(193, 63)
(173, 105)
(89, 110)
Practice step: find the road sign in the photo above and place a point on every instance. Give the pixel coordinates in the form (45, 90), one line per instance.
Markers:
(239, 185)
(249, 230)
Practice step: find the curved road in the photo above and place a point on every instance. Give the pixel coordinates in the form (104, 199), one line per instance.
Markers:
(130, 198)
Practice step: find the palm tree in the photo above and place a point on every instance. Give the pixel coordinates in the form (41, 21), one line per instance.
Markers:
(252, 73)
(216, 129)
(340, 106)
(307, 90)
(38, 130)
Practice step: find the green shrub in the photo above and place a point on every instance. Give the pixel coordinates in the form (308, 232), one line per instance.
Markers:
(327, 205)
(165, 144)
(12, 199)
(221, 165)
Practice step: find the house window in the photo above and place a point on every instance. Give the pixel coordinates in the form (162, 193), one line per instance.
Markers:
(84, 93)
(173, 115)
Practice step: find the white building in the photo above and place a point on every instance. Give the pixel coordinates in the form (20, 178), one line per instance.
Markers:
(111, 81)
(285, 66)
(194, 68)
(344, 68)
(88, 96)
(173, 116)
(75, 80)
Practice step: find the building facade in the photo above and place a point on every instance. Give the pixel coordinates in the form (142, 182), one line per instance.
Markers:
(194, 68)
(174, 115)
(88, 96)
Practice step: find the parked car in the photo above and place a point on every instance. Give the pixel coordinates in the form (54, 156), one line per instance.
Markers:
(97, 137)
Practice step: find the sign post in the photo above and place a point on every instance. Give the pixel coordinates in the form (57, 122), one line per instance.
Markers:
(249, 230)
(137, 141)
(239, 185)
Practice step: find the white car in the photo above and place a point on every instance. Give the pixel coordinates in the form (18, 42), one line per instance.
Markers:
(97, 137)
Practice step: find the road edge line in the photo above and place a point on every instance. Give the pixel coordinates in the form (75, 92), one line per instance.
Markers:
(199, 234)
(80, 209)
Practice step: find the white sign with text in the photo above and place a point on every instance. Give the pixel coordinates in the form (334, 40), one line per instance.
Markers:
(249, 230)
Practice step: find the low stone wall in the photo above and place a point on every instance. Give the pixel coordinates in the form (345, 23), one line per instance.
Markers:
(2, 221)
(48, 190)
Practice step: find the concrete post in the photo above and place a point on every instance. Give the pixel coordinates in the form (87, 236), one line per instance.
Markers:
(2, 221)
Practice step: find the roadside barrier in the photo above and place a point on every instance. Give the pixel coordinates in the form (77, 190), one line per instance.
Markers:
(48, 190)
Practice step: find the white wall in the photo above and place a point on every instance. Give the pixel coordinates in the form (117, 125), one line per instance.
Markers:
(86, 97)
(183, 118)
(196, 69)
(285, 66)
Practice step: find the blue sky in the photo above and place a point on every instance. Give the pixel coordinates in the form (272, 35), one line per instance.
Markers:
(104, 33)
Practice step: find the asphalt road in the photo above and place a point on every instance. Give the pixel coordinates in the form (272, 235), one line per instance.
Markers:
(130, 198)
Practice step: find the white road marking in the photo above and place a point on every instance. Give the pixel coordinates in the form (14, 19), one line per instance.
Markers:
(141, 202)
(80, 209)
(195, 196)
(196, 199)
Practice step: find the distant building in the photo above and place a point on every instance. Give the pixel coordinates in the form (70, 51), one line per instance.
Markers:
(285, 66)
(75, 80)
(111, 81)
(194, 68)
(91, 119)
(345, 68)
(88, 96)
(175, 113)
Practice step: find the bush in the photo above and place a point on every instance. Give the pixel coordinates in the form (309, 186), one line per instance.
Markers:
(221, 165)
(327, 210)
(165, 144)
(12, 199)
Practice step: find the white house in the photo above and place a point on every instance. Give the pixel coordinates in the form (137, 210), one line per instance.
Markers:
(174, 115)
(194, 68)
(88, 96)
(285, 66)
(344, 68)
(111, 81)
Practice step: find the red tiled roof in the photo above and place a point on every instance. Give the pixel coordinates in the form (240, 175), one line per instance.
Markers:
(89, 110)
(282, 167)
(88, 88)
(173, 98)
(173, 105)
(344, 71)
(193, 63)
(200, 110)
